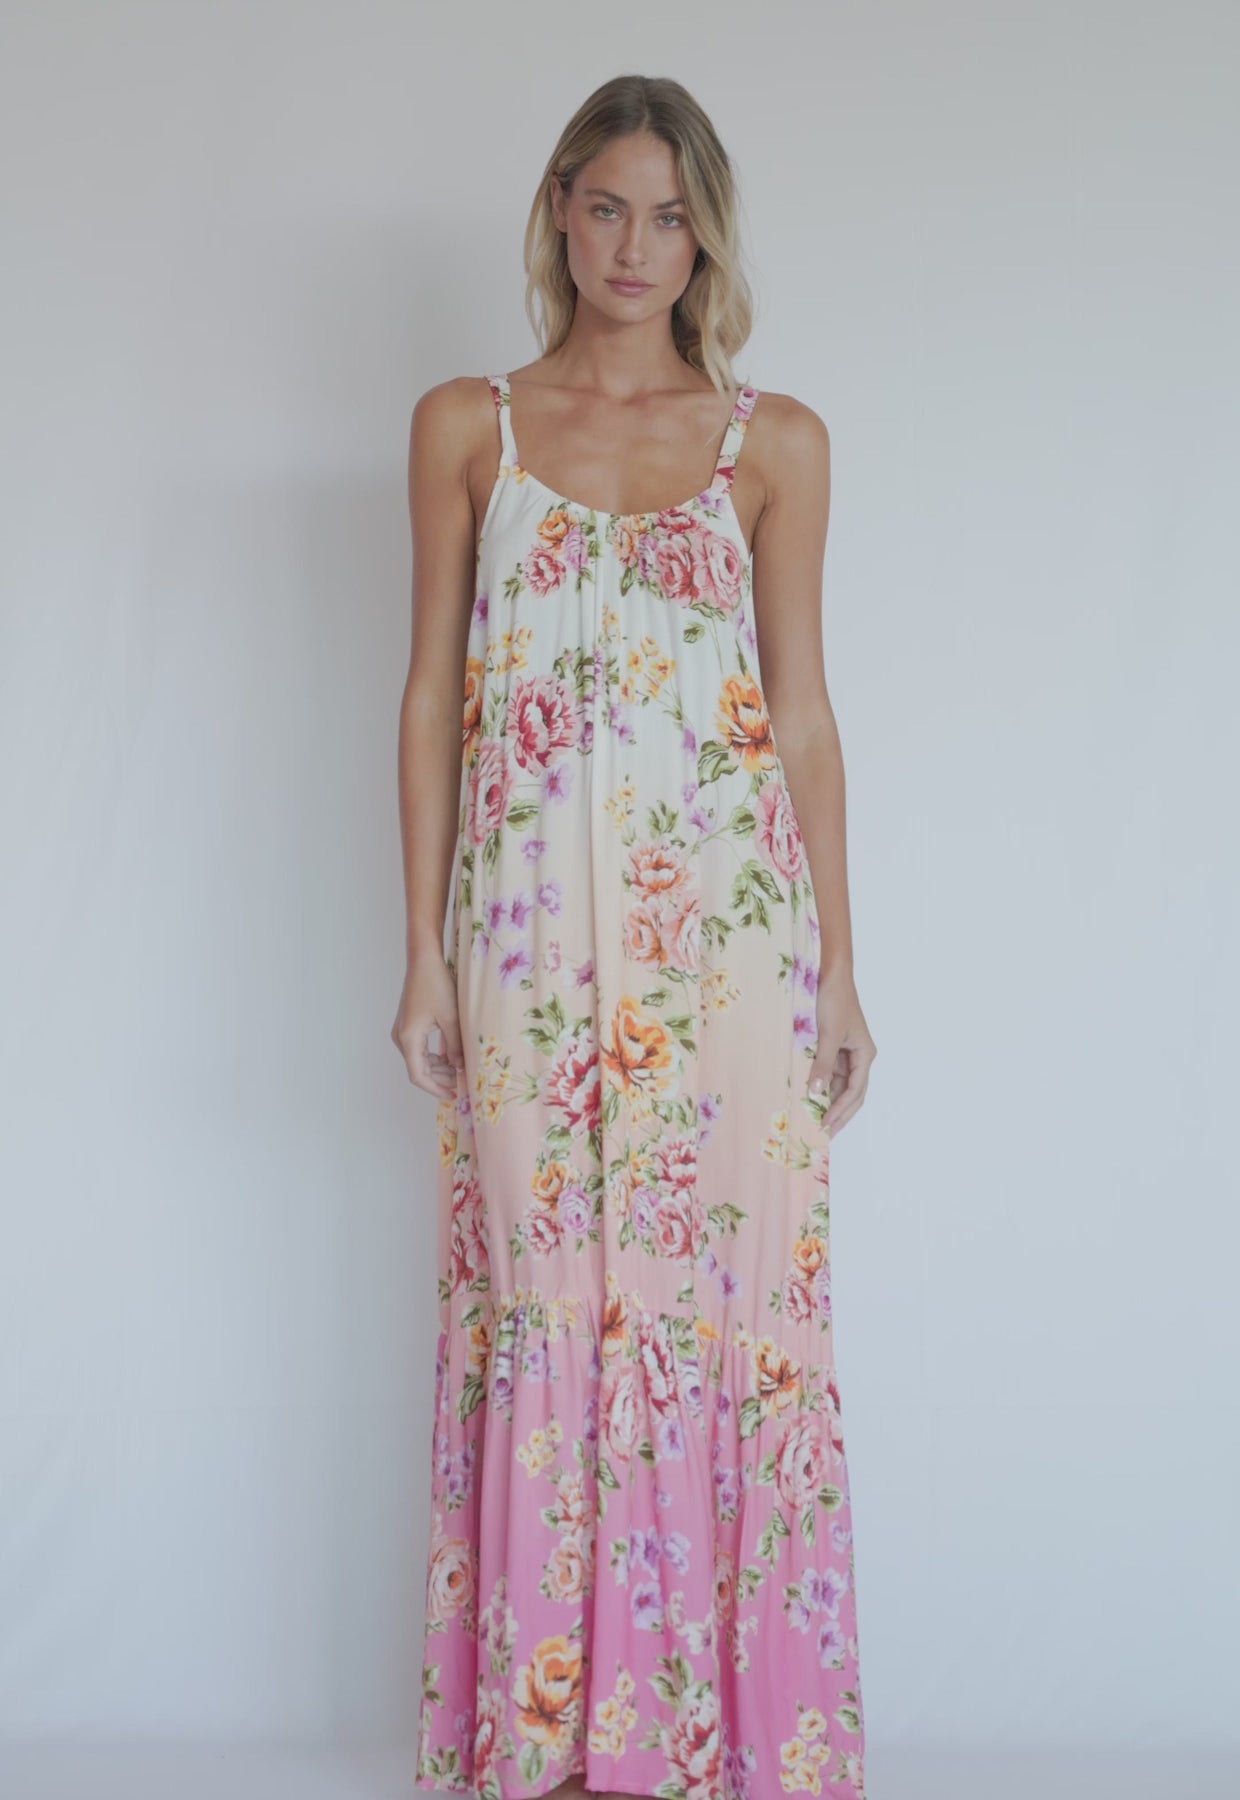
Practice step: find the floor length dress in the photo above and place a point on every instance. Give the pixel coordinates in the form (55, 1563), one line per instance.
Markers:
(641, 1560)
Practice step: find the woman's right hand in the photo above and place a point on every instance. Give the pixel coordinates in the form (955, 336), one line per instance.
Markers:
(428, 1001)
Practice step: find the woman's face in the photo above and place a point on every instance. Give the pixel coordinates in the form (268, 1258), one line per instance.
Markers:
(625, 221)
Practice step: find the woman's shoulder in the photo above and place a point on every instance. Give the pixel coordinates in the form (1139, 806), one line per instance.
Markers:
(787, 446)
(459, 398)
(792, 422)
(455, 419)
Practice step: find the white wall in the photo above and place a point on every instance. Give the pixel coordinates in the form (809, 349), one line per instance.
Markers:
(993, 253)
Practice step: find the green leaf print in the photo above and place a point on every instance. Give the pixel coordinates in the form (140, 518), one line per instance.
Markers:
(749, 1416)
(714, 760)
(531, 1763)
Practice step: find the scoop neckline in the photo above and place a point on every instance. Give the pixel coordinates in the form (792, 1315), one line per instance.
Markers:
(518, 469)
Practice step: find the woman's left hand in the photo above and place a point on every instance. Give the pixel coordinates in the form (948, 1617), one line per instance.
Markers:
(841, 1066)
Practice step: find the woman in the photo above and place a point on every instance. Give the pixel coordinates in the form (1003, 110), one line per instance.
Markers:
(640, 1573)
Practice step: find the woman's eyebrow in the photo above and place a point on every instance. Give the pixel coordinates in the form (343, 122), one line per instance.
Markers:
(621, 201)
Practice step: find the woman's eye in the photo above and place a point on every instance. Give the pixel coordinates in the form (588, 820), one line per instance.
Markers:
(602, 209)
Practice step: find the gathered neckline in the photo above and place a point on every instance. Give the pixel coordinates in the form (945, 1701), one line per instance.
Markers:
(721, 498)
(715, 493)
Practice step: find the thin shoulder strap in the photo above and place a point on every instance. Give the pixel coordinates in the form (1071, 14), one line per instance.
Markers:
(734, 437)
(503, 406)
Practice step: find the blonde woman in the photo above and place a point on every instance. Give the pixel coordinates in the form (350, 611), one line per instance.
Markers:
(622, 810)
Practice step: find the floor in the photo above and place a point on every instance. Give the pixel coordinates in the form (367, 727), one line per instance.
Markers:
(173, 1771)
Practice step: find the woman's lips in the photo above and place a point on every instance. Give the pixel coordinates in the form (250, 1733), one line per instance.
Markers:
(631, 287)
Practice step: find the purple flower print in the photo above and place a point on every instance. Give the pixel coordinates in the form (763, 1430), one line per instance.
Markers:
(729, 1284)
(830, 1643)
(551, 896)
(804, 1030)
(495, 912)
(533, 848)
(672, 1440)
(514, 966)
(574, 1210)
(648, 557)
(710, 1108)
(644, 1206)
(701, 819)
(676, 1550)
(481, 608)
(557, 782)
(804, 973)
(688, 738)
(820, 1288)
(644, 1550)
(456, 1472)
(822, 1589)
(584, 976)
(574, 549)
(520, 910)
(727, 1494)
(739, 1763)
(647, 1606)
(689, 1381)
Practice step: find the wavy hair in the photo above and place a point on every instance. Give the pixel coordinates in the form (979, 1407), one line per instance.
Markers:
(714, 315)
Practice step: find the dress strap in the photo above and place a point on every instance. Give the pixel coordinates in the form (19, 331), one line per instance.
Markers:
(734, 437)
(503, 407)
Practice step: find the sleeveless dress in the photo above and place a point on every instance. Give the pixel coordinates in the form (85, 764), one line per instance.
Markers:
(641, 1562)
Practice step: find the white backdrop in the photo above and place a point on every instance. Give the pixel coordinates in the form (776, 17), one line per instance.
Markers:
(993, 251)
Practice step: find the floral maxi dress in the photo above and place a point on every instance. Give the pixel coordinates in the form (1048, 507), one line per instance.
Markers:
(641, 1561)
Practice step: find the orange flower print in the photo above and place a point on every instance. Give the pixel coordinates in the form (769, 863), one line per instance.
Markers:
(638, 1055)
(744, 723)
(555, 527)
(615, 1319)
(475, 674)
(810, 1254)
(657, 868)
(547, 1184)
(666, 933)
(778, 1375)
(547, 1692)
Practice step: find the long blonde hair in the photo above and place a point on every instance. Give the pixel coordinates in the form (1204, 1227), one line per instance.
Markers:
(714, 315)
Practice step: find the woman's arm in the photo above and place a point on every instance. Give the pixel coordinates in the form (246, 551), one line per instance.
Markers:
(443, 435)
(789, 547)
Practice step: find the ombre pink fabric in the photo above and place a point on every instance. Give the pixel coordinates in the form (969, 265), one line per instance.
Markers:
(641, 1563)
